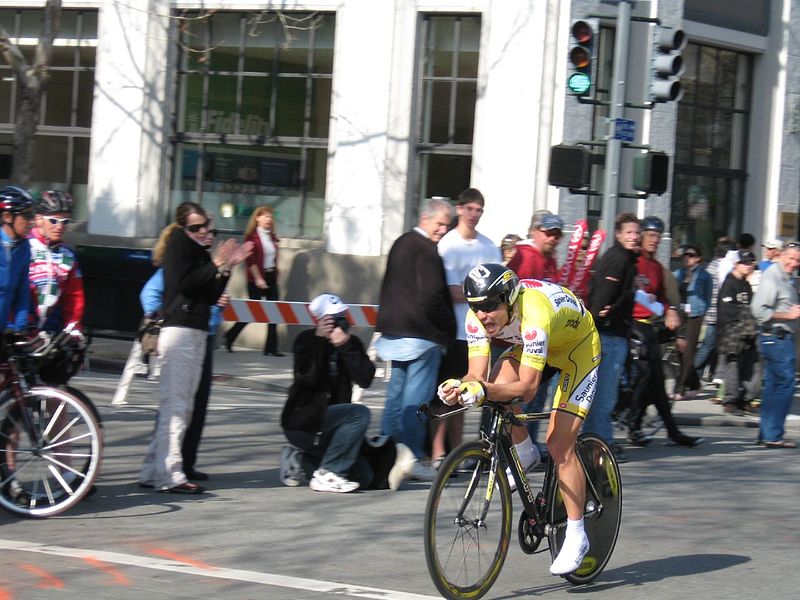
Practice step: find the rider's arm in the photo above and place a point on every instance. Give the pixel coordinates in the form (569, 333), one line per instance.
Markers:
(525, 387)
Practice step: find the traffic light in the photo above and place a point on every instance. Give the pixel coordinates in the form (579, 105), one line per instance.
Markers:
(651, 172)
(583, 36)
(570, 166)
(667, 64)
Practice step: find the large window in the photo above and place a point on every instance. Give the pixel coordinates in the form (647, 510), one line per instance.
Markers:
(711, 145)
(252, 114)
(448, 83)
(62, 138)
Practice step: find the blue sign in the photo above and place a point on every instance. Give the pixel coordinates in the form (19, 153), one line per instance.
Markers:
(624, 129)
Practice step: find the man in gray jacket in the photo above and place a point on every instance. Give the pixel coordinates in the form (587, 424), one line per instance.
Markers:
(775, 307)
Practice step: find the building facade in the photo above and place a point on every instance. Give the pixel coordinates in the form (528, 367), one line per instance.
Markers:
(345, 115)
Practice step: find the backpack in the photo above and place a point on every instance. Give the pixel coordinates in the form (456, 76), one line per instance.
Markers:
(148, 331)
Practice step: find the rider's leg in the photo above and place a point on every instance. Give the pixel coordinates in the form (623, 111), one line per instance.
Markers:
(562, 433)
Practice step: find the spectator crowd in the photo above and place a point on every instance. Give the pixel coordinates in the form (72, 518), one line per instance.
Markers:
(732, 322)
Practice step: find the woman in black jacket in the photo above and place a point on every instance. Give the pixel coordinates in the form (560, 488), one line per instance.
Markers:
(193, 281)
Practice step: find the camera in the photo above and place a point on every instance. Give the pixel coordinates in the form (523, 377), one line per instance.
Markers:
(341, 322)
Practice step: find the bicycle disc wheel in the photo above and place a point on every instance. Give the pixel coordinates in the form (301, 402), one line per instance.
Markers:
(464, 549)
(603, 509)
(50, 452)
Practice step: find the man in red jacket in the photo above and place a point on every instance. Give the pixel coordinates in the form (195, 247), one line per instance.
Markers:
(646, 324)
(535, 257)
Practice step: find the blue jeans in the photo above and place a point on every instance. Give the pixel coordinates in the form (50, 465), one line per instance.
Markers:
(614, 352)
(705, 349)
(339, 445)
(779, 372)
(413, 383)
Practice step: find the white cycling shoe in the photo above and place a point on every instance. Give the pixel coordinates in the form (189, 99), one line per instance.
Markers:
(571, 555)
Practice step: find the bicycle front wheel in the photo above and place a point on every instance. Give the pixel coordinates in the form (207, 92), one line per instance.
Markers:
(467, 523)
(50, 452)
(602, 513)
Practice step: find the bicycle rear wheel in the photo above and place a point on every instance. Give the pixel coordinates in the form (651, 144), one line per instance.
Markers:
(50, 452)
(466, 541)
(603, 509)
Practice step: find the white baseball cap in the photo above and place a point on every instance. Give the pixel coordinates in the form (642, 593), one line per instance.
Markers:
(326, 304)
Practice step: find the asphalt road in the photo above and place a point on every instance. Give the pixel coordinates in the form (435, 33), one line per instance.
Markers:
(718, 521)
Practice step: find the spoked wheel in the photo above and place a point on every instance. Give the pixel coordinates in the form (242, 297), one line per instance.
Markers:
(50, 452)
(603, 509)
(467, 523)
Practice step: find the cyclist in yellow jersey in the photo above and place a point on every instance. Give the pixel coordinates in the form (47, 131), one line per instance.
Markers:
(546, 324)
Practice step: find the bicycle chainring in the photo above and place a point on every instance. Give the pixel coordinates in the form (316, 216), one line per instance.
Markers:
(530, 535)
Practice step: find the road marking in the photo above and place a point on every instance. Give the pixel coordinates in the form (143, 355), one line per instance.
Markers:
(146, 562)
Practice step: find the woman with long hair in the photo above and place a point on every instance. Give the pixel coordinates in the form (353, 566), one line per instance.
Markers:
(262, 273)
(193, 282)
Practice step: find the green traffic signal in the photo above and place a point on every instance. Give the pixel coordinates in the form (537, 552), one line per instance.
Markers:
(579, 83)
(581, 56)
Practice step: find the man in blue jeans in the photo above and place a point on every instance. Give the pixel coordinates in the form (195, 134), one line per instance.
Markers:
(417, 324)
(319, 419)
(775, 307)
(611, 305)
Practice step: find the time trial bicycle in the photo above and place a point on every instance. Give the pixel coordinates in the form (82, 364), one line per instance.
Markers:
(468, 518)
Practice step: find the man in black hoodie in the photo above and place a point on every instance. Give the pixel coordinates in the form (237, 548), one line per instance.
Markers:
(611, 304)
(737, 337)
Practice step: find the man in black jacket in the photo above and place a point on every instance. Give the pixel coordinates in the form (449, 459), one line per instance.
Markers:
(319, 418)
(417, 325)
(611, 305)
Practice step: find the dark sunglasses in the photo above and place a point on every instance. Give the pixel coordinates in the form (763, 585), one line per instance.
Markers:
(59, 221)
(487, 305)
(691, 254)
(28, 216)
(197, 226)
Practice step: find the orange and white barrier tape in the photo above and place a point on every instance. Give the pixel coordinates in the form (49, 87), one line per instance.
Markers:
(292, 313)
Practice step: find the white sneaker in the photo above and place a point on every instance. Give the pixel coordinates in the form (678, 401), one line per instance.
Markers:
(404, 462)
(329, 481)
(421, 472)
(571, 555)
(291, 471)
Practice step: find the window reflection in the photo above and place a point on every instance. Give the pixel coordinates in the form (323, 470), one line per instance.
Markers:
(253, 113)
(711, 145)
(447, 74)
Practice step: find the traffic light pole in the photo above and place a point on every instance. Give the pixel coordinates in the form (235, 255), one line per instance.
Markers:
(616, 111)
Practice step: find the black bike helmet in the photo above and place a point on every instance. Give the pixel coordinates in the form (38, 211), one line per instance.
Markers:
(652, 223)
(15, 199)
(490, 284)
(54, 201)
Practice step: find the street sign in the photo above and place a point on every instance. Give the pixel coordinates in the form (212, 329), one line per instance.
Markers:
(624, 129)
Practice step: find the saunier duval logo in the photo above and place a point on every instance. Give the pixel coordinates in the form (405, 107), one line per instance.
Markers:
(561, 299)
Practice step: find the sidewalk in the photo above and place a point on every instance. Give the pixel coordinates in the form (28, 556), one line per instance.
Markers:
(247, 368)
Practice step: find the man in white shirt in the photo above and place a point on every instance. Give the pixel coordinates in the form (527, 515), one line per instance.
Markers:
(461, 249)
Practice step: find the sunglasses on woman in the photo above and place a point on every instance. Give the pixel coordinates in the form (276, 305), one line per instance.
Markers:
(59, 220)
(196, 227)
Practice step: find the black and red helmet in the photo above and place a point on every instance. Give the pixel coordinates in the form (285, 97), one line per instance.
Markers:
(54, 201)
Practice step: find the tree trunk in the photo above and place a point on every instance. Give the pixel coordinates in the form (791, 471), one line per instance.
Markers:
(25, 132)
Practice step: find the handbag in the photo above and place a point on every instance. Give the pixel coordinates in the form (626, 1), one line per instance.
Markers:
(148, 331)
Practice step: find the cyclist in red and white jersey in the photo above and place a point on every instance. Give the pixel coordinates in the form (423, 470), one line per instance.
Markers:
(56, 280)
